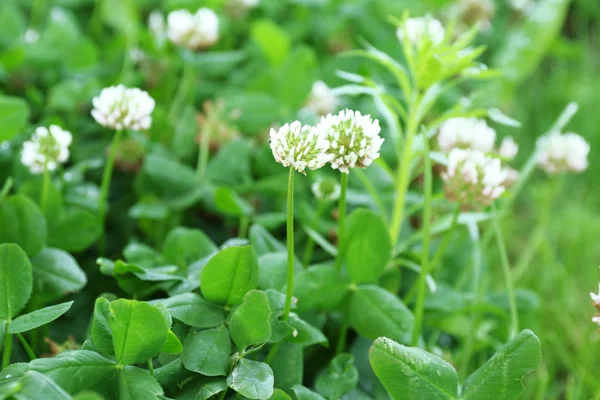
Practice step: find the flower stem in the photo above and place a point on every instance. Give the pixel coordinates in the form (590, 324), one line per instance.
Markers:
(446, 241)
(342, 220)
(45, 187)
(7, 349)
(151, 367)
(272, 352)
(203, 151)
(425, 264)
(107, 176)
(243, 230)
(290, 247)
(183, 88)
(341, 344)
(403, 179)
(6, 188)
(310, 245)
(514, 316)
(26, 346)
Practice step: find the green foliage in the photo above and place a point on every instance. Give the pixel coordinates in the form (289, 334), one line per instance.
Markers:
(22, 223)
(38, 318)
(207, 352)
(252, 379)
(249, 324)
(339, 378)
(15, 280)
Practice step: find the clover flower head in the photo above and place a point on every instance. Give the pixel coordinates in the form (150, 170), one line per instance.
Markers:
(299, 146)
(560, 153)
(421, 29)
(156, 23)
(194, 31)
(596, 298)
(473, 179)
(596, 319)
(47, 148)
(321, 100)
(508, 148)
(466, 133)
(353, 138)
(326, 189)
(118, 107)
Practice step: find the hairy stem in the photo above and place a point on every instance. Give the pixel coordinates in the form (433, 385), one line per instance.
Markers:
(342, 221)
(290, 247)
(26, 346)
(45, 187)
(7, 349)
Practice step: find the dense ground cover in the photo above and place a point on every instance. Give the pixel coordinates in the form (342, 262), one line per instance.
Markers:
(151, 240)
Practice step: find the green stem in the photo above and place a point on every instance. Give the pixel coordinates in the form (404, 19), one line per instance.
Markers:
(45, 187)
(204, 151)
(290, 247)
(425, 265)
(243, 230)
(446, 241)
(403, 179)
(6, 188)
(107, 175)
(342, 220)
(514, 316)
(151, 367)
(272, 352)
(183, 88)
(26, 346)
(310, 245)
(341, 344)
(7, 348)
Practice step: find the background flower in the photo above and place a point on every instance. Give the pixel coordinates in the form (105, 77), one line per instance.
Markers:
(118, 107)
(321, 100)
(194, 31)
(299, 146)
(466, 133)
(563, 153)
(47, 148)
(420, 29)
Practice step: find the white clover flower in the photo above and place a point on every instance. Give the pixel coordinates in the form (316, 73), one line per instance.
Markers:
(563, 153)
(118, 107)
(321, 100)
(596, 298)
(31, 36)
(596, 319)
(326, 189)
(194, 31)
(508, 148)
(420, 29)
(473, 179)
(156, 23)
(466, 133)
(47, 148)
(299, 146)
(353, 138)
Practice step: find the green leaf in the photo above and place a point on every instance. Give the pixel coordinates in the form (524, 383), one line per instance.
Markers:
(77, 370)
(183, 246)
(368, 246)
(288, 365)
(279, 329)
(375, 312)
(22, 223)
(15, 280)
(76, 231)
(340, 377)
(500, 377)
(252, 379)
(272, 271)
(101, 332)
(139, 330)
(38, 318)
(306, 334)
(272, 40)
(203, 389)
(35, 386)
(172, 374)
(14, 114)
(301, 63)
(2, 332)
(228, 202)
(172, 344)
(279, 394)
(411, 373)
(55, 274)
(136, 384)
(169, 175)
(229, 275)
(263, 242)
(207, 352)
(249, 324)
(320, 287)
(193, 310)
(303, 393)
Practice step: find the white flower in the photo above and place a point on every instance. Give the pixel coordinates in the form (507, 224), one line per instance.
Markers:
(194, 31)
(420, 29)
(563, 153)
(47, 148)
(156, 23)
(508, 148)
(473, 179)
(596, 319)
(466, 133)
(118, 107)
(596, 297)
(353, 138)
(321, 101)
(31, 36)
(326, 189)
(299, 146)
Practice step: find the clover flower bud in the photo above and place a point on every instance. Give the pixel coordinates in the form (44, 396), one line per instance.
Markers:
(118, 107)
(560, 153)
(321, 100)
(508, 148)
(326, 189)
(421, 29)
(194, 31)
(473, 179)
(47, 148)
(466, 133)
(299, 146)
(353, 138)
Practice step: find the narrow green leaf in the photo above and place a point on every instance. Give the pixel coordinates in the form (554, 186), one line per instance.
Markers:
(410, 373)
(38, 318)
(249, 324)
(15, 280)
(252, 379)
(229, 275)
(207, 352)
